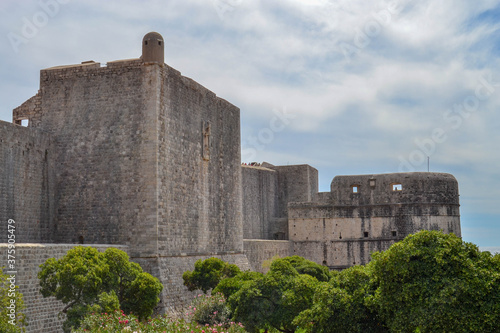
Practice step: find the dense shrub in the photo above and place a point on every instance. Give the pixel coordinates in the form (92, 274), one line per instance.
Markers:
(275, 299)
(429, 282)
(208, 273)
(433, 282)
(86, 281)
(304, 266)
(211, 310)
(341, 305)
(229, 286)
(119, 322)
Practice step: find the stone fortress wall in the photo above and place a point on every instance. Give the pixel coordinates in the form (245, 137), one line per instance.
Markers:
(260, 252)
(198, 177)
(139, 148)
(341, 228)
(267, 190)
(128, 153)
(368, 213)
(26, 182)
(132, 154)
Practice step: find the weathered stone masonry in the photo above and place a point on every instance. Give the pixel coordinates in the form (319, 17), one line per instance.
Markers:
(368, 213)
(128, 153)
(341, 228)
(132, 154)
(26, 182)
(267, 190)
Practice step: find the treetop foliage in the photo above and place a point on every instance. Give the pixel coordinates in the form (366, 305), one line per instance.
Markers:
(435, 282)
(428, 282)
(208, 273)
(304, 266)
(229, 286)
(87, 280)
(273, 300)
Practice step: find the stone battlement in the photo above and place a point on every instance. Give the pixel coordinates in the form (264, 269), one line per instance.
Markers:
(413, 188)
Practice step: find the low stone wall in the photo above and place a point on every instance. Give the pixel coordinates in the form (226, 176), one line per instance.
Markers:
(41, 313)
(175, 296)
(259, 250)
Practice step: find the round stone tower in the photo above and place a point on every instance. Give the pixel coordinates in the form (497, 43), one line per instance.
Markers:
(153, 48)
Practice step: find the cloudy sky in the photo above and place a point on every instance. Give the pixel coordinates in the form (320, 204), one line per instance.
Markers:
(347, 86)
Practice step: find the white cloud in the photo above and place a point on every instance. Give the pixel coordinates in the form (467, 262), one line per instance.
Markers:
(358, 115)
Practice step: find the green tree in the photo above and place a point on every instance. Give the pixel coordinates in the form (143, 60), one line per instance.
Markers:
(208, 273)
(12, 320)
(432, 282)
(340, 305)
(304, 266)
(273, 300)
(229, 286)
(86, 281)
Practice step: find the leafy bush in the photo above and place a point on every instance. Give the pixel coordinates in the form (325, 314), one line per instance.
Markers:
(340, 305)
(208, 273)
(429, 282)
(433, 282)
(275, 299)
(87, 280)
(304, 266)
(211, 310)
(119, 322)
(229, 286)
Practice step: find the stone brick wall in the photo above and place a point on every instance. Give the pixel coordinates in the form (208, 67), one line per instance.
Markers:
(141, 156)
(28, 110)
(199, 176)
(267, 191)
(41, 313)
(296, 183)
(103, 120)
(26, 190)
(324, 197)
(260, 202)
(366, 214)
(175, 296)
(340, 254)
(259, 250)
(415, 188)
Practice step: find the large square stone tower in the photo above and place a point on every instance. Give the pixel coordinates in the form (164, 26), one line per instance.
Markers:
(143, 157)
